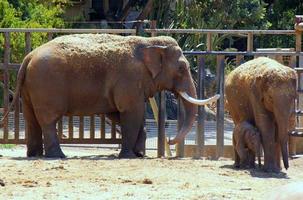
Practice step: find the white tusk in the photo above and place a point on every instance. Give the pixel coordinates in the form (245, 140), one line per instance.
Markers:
(198, 101)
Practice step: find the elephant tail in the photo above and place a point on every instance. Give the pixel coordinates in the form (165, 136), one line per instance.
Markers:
(20, 80)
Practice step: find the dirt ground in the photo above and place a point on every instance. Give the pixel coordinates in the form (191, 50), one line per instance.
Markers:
(96, 173)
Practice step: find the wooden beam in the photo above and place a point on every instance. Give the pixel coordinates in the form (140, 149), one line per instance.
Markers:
(220, 106)
(153, 105)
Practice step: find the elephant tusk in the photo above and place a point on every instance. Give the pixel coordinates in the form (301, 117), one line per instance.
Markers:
(198, 101)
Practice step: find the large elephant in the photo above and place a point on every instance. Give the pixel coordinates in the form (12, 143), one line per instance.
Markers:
(85, 74)
(262, 91)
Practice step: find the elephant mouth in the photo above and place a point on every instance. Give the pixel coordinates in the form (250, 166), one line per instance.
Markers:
(199, 102)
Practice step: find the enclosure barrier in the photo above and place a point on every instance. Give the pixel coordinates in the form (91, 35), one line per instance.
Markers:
(200, 148)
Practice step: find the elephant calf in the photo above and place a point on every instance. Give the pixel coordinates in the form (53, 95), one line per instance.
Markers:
(247, 144)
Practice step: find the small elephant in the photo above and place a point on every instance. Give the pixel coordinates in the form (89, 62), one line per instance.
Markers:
(247, 144)
(87, 74)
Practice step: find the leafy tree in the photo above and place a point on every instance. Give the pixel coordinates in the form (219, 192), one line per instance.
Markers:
(281, 14)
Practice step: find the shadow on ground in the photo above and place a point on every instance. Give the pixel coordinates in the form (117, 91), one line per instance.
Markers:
(86, 157)
(258, 172)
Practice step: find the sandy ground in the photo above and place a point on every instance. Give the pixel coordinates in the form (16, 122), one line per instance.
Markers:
(96, 173)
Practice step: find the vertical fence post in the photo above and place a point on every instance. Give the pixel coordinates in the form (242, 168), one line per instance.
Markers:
(81, 127)
(28, 48)
(161, 125)
(49, 36)
(201, 109)
(70, 127)
(250, 42)
(6, 59)
(220, 106)
(102, 126)
(92, 126)
(208, 42)
(293, 140)
(239, 60)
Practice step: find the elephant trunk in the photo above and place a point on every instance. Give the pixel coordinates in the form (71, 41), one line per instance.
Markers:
(282, 138)
(188, 115)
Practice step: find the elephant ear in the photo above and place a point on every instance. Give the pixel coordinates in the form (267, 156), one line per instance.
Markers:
(152, 57)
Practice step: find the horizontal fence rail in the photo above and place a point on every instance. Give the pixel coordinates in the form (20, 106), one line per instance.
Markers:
(221, 31)
(57, 30)
(243, 53)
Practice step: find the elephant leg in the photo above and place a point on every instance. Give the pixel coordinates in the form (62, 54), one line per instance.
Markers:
(251, 159)
(33, 131)
(51, 141)
(140, 144)
(243, 154)
(237, 159)
(131, 121)
(267, 130)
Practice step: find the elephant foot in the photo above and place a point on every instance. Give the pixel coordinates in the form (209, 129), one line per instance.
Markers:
(127, 154)
(140, 154)
(237, 165)
(34, 152)
(252, 165)
(54, 153)
(272, 169)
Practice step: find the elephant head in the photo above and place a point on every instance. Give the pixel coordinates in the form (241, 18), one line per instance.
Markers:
(169, 70)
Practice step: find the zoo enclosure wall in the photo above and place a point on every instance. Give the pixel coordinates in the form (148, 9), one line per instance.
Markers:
(113, 138)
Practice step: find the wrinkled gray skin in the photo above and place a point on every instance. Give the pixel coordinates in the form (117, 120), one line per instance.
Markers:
(247, 145)
(86, 74)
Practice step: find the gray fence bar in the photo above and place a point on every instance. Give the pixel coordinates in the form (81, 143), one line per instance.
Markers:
(161, 124)
(55, 30)
(222, 31)
(7, 51)
(244, 53)
(201, 109)
(220, 106)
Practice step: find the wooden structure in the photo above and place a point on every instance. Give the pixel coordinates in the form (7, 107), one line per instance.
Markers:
(201, 56)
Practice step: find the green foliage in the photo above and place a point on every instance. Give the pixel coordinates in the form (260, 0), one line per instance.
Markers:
(211, 14)
(281, 14)
(28, 14)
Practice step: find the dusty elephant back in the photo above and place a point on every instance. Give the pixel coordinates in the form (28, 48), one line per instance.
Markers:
(100, 44)
(266, 68)
(264, 73)
(85, 50)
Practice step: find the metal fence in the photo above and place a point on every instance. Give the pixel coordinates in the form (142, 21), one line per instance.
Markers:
(98, 130)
